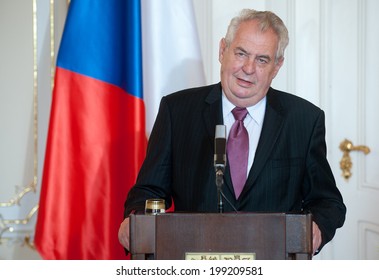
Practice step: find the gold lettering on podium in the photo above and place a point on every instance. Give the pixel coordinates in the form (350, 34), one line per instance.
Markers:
(220, 256)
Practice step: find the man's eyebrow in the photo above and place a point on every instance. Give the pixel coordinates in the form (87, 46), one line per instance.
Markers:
(242, 50)
(264, 57)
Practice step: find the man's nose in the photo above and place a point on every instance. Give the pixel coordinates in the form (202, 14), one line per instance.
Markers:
(249, 66)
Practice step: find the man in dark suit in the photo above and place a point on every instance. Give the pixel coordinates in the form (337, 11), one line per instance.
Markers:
(287, 169)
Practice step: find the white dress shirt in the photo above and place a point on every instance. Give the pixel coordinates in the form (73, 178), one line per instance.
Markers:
(253, 123)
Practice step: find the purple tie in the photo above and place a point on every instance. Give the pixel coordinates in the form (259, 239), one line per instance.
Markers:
(238, 150)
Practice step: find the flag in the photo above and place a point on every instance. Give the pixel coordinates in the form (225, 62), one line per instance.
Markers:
(97, 138)
(171, 51)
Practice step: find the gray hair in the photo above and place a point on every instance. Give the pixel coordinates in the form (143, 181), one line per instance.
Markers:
(267, 20)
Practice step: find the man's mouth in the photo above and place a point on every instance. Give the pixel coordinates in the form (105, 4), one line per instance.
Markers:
(245, 83)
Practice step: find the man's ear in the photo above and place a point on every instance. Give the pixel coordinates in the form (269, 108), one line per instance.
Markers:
(221, 49)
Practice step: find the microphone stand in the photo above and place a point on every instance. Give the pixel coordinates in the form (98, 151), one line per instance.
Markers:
(219, 184)
(220, 193)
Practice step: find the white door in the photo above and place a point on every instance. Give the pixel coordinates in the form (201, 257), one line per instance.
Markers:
(351, 81)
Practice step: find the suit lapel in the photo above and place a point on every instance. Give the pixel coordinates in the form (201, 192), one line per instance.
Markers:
(272, 125)
(212, 116)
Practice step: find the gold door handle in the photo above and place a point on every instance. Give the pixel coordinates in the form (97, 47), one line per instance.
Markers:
(346, 147)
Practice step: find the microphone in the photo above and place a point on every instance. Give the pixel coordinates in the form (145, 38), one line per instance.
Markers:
(219, 165)
(220, 162)
(220, 149)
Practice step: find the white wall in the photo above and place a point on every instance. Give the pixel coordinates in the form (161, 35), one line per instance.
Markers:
(27, 56)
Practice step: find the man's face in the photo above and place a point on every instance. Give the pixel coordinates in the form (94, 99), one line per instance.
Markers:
(248, 64)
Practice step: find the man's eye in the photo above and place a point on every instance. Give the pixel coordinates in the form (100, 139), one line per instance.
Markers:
(262, 60)
(240, 54)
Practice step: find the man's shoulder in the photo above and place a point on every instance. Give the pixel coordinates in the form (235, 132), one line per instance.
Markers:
(198, 93)
(290, 101)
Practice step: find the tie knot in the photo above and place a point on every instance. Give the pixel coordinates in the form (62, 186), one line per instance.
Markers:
(239, 113)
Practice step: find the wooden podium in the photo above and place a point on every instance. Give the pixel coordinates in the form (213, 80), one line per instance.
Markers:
(178, 236)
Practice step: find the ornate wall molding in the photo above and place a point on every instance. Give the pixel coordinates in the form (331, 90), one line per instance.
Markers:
(18, 212)
(8, 225)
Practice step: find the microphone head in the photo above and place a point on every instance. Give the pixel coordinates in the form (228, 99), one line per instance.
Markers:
(220, 131)
(220, 147)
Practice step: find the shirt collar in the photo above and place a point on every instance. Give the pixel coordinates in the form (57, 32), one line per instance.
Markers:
(257, 112)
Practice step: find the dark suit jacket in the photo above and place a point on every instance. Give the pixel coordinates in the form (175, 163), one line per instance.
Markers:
(290, 172)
